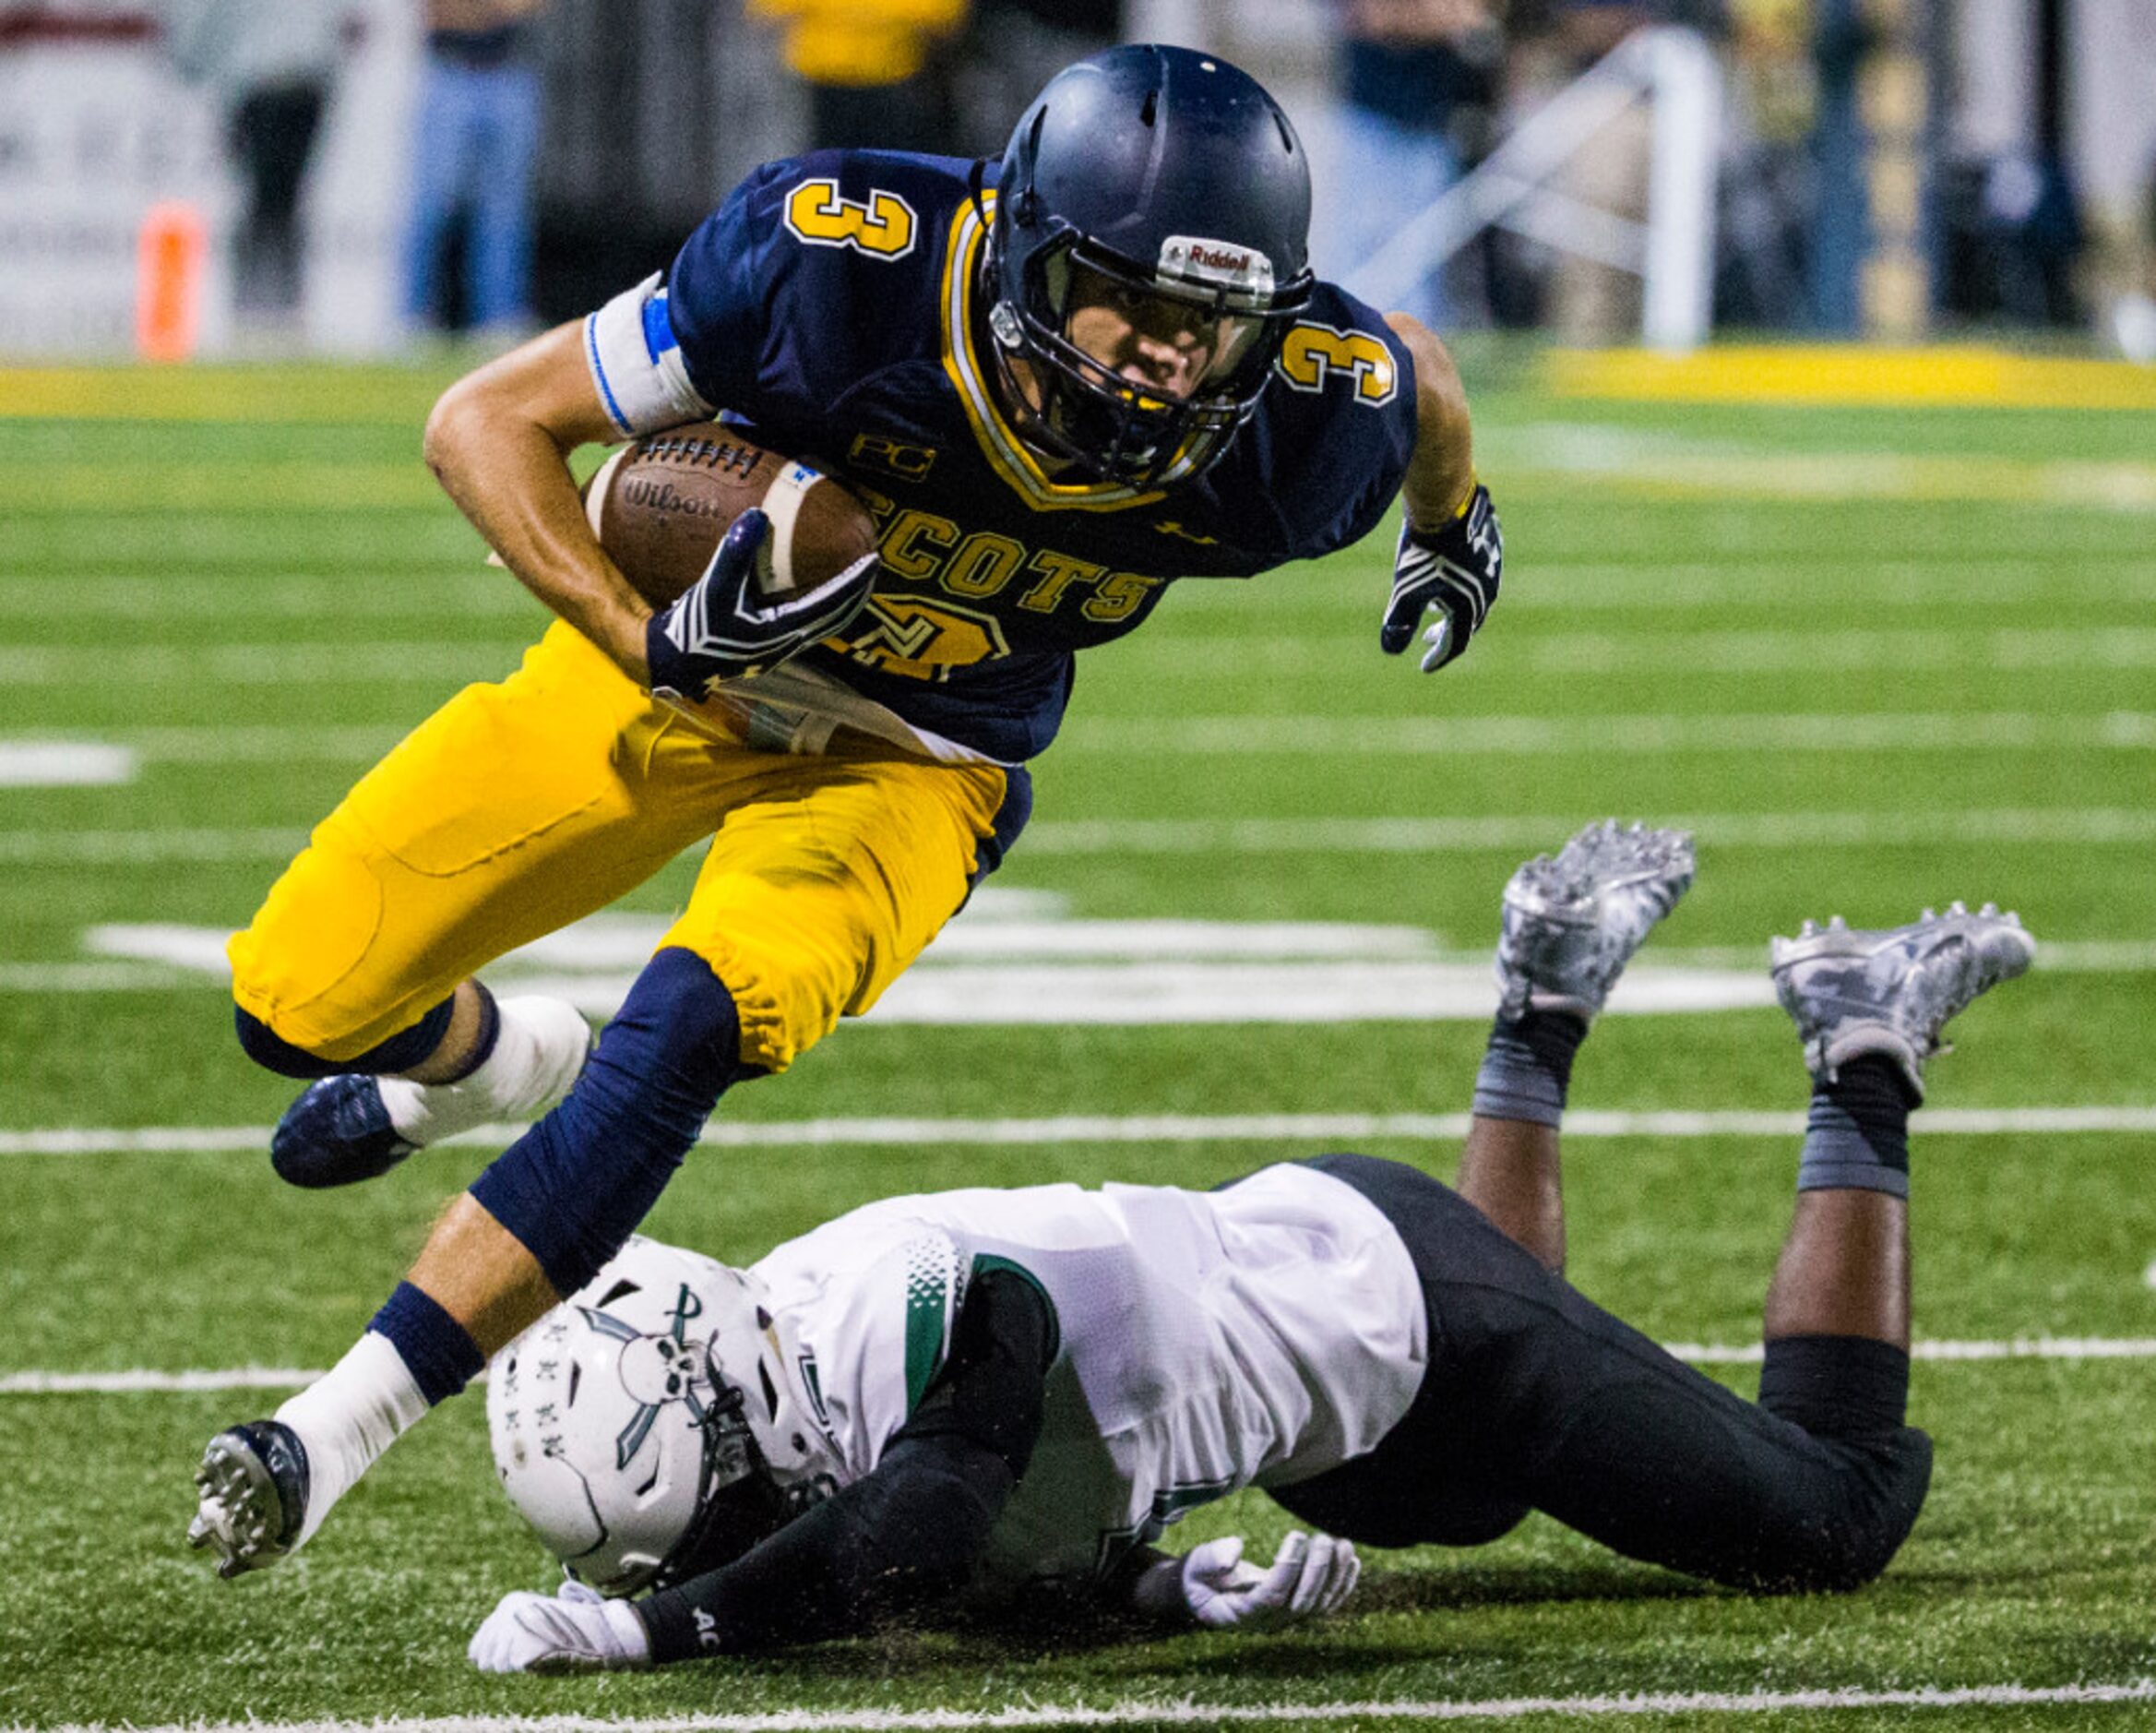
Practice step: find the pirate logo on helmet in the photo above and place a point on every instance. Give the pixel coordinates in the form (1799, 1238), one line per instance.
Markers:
(656, 1370)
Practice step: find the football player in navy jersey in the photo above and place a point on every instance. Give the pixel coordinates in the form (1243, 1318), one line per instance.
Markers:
(1060, 383)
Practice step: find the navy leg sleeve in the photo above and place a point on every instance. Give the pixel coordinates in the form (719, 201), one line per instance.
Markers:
(573, 1187)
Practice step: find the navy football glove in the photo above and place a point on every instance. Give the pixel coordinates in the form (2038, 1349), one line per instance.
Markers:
(722, 628)
(1454, 570)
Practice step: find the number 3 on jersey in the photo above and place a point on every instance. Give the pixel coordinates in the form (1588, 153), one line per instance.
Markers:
(1314, 354)
(881, 225)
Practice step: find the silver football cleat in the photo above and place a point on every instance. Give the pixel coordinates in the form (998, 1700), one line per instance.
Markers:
(1891, 991)
(253, 1495)
(1571, 924)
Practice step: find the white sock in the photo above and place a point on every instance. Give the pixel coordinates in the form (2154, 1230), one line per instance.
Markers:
(347, 1417)
(541, 1048)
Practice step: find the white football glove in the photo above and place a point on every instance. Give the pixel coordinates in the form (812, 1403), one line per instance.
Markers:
(1211, 1586)
(1454, 570)
(575, 1631)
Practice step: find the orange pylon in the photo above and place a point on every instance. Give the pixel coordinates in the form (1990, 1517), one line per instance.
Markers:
(169, 255)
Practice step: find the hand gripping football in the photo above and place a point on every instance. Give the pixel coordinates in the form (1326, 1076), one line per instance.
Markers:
(659, 505)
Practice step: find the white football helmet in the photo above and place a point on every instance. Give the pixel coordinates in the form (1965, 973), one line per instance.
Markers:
(656, 1423)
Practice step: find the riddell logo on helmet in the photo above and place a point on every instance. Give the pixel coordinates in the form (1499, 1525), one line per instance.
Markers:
(1217, 261)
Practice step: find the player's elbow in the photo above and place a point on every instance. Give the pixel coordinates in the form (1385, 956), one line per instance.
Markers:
(455, 426)
(932, 1515)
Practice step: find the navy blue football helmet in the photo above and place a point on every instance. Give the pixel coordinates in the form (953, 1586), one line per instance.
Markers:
(1168, 185)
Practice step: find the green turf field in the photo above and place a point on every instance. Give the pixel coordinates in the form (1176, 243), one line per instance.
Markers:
(1878, 659)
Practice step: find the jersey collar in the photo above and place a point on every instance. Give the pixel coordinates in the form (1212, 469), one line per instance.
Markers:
(1008, 454)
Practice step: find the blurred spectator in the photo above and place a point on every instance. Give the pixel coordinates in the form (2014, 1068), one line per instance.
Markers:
(2013, 240)
(874, 77)
(1412, 74)
(1771, 188)
(2133, 316)
(1010, 49)
(478, 140)
(269, 64)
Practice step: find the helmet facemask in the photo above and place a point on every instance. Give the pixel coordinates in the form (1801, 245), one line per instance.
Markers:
(1077, 405)
(739, 1499)
(1167, 188)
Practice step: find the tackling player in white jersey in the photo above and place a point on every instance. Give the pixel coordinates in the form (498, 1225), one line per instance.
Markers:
(990, 1396)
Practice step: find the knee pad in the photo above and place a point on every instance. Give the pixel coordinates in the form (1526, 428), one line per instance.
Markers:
(401, 1052)
(574, 1186)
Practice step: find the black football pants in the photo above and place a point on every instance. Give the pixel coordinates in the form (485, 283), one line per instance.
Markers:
(1537, 1399)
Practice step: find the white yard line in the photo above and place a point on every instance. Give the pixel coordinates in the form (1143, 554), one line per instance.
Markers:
(64, 764)
(1053, 989)
(406, 661)
(95, 977)
(1182, 1712)
(1898, 650)
(1380, 736)
(119, 848)
(1956, 826)
(1467, 835)
(465, 589)
(1451, 736)
(204, 744)
(140, 1381)
(1765, 583)
(1109, 973)
(1316, 1129)
(1952, 1352)
(1640, 463)
(1015, 927)
(144, 1381)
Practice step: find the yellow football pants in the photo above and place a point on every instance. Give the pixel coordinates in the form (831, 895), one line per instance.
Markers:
(519, 807)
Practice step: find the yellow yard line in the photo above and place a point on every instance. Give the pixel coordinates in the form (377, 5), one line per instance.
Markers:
(315, 392)
(1852, 375)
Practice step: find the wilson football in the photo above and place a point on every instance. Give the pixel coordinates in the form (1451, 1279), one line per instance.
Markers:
(659, 505)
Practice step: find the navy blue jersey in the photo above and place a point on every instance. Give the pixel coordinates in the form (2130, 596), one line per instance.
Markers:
(834, 306)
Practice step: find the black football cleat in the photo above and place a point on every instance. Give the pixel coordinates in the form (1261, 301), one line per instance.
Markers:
(252, 1489)
(337, 1133)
